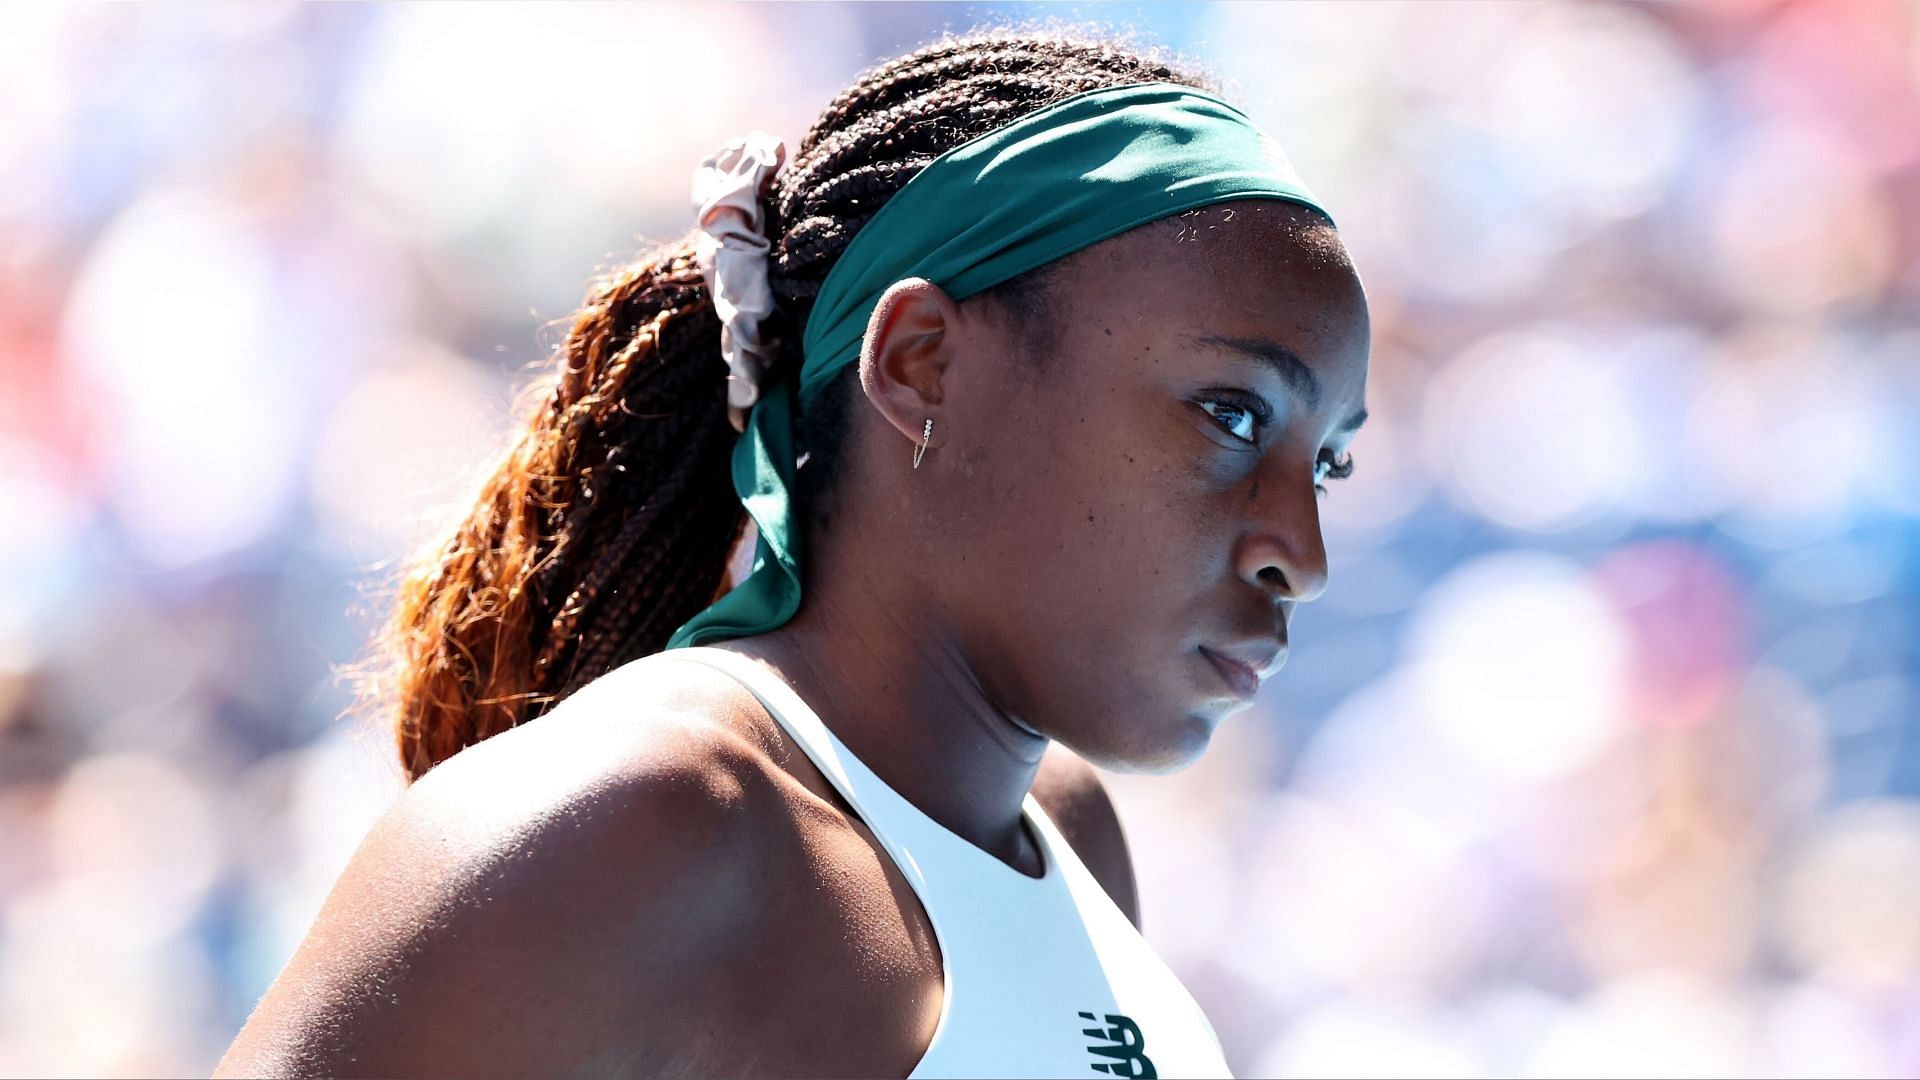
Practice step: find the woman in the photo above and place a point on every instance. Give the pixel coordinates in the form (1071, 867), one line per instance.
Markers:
(1061, 413)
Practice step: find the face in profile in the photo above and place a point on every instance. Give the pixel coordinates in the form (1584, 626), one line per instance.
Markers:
(1150, 496)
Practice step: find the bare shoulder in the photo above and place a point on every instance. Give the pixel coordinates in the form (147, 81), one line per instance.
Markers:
(566, 898)
(1069, 789)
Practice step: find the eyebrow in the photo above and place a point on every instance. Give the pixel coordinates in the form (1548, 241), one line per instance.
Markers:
(1284, 362)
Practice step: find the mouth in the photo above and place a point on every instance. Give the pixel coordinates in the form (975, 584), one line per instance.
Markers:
(1243, 680)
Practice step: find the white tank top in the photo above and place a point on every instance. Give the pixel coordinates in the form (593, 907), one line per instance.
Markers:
(1044, 976)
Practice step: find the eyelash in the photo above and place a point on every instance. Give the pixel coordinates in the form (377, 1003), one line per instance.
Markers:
(1338, 468)
(1262, 414)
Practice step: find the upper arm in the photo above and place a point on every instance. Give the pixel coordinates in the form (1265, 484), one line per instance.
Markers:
(1070, 791)
(496, 921)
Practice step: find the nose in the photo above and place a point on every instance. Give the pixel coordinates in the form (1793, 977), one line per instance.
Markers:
(1282, 552)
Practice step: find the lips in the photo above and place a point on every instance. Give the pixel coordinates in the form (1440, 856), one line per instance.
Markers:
(1243, 677)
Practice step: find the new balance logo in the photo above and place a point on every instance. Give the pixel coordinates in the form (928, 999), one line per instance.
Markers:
(1127, 1053)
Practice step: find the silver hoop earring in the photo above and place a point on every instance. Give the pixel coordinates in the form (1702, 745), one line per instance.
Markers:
(925, 434)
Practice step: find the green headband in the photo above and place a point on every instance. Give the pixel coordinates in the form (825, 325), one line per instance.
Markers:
(1087, 167)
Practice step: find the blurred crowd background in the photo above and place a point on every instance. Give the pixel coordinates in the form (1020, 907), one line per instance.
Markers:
(1598, 758)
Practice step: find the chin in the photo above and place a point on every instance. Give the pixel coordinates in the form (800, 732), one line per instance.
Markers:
(1166, 748)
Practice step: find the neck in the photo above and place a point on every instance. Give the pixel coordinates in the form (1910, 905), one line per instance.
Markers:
(896, 686)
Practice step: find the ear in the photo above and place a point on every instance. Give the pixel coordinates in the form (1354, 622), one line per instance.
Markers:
(908, 349)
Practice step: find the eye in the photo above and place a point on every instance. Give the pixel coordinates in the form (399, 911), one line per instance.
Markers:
(1330, 467)
(1241, 415)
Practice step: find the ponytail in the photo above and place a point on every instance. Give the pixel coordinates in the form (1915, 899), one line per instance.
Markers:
(606, 525)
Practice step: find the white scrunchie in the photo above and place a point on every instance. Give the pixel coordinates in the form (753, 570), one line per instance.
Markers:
(732, 253)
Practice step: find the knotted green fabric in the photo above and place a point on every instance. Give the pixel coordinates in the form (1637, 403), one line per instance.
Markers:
(1083, 169)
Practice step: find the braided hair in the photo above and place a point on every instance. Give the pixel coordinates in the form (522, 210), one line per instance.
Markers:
(609, 521)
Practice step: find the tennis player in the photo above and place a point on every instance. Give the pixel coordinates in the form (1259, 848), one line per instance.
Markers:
(1015, 387)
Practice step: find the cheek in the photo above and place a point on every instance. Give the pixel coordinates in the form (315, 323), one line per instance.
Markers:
(1092, 555)
(1086, 525)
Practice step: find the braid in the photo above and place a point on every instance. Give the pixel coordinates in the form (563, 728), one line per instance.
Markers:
(610, 482)
(608, 523)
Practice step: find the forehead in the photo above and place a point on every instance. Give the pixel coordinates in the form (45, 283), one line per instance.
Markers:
(1248, 270)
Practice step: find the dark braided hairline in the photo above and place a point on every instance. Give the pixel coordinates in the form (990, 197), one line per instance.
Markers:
(977, 52)
(909, 77)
